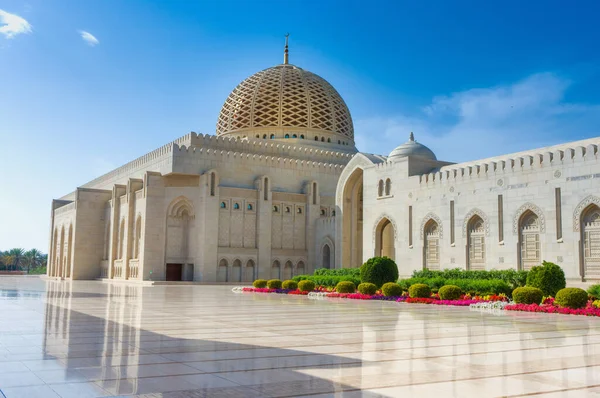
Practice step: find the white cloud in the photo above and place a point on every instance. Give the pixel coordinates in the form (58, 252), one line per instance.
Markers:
(12, 25)
(89, 38)
(480, 123)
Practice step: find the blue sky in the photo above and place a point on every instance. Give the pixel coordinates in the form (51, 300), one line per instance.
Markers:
(472, 79)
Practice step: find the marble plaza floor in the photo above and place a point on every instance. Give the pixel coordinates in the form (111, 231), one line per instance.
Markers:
(88, 339)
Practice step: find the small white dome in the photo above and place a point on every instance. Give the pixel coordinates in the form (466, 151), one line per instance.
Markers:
(412, 148)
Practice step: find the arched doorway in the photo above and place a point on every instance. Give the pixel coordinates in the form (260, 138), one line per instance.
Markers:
(529, 241)
(288, 270)
(300, 268)
(384, 239)
(326, 259)
(222, 271)
(590, 236)
(476, 243)
(431, 236)
(249, 271)
(236, 271)
(352, 222)
(276, 270)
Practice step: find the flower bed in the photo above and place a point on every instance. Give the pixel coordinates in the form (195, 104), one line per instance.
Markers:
(550, 308)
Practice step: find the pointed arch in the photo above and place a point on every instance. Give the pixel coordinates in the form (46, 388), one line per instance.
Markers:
(482, 215)
(327, 252)
(378, 222)
(223, 270)
(249, 271)
(179, 206)
(384, 236)
(531, 208)
(276, 269)
(69, 250)
(579, 210)
(434, 217)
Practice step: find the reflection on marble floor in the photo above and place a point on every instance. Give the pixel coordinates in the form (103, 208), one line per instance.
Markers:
(88, 339)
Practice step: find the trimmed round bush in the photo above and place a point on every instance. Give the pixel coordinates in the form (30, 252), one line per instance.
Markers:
(367, 288)
(345, 287)
(419, 290)
(391, 289)
(548, 277)
(527, 295)
(571, 297)
(274, 284)
(260, 283)
(306, 286)
(290, 284)
(450, 292)
(379, 270)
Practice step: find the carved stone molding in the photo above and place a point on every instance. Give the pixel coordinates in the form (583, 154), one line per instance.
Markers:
(434, 217)
(529, 207)
(479, 213)
(381, 217)
(588, 200)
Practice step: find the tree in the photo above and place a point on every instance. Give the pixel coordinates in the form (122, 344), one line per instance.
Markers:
(18, 256)
(32, 258)
(8, 260)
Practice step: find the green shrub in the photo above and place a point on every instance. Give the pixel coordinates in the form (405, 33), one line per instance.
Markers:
(260, 283)
(290, 284)
(306, 286)
(354, 272)
(472, 286)
(419, 290)
(274, 284)
(391, 289)
(367, 288)
(450, 292)
(345, 287)
(548, 277)
(571, 297)
(379, 270)
(527, 295)
(513, 277)
(594, 290)
(324, 280)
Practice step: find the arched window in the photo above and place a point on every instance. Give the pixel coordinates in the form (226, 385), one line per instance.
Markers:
(257, 136)
(339, 142)
(236, 271)
(294, 136)
(476, 243)
(138, 237)
(272, 136)
(266, 196)
(300, 268)
(222, 271)
(121, 239)
(333, 213)
(388, 187)
(299, 210)
(323, 212)
(236, 206)
(275, 209)
(380, 188)
(249, 207)
(212, 184)
(287, 209)
(288, 270)
(314, 186)
(264, 136)
(431, 234)
(287, 136)
(301, 136)
(326, 260)
(249, 271)
(529, 240)
(590, 234)
(276, 270)
(328, 139)
(223, 205)
(322, 139)
(316, 138)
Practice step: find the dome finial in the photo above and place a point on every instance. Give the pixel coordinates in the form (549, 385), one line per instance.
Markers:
(411, 137)
(285, 51)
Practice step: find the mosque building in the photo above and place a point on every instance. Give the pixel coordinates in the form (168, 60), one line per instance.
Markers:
(281, 190)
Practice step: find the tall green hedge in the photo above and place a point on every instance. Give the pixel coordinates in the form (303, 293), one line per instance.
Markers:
(325, 280)
(473, 286)
(513, 277)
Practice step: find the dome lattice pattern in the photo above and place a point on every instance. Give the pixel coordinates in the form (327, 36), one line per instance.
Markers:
(285, 96)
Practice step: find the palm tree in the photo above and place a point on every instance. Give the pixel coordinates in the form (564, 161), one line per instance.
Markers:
(32, 258)
(18, 256)
(8, 260)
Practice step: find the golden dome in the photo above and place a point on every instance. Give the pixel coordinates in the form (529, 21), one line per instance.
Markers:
(288, 99)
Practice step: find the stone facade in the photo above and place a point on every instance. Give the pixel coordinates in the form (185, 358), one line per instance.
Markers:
(281, 190)
(511, 211)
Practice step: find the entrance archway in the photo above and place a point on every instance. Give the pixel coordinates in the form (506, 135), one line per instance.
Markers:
(590, 236)
(529, 241)
(326, 257)
(431, 234)
(476, 243)
(352, 222)
(384, 239)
